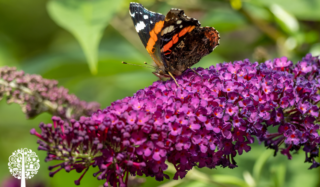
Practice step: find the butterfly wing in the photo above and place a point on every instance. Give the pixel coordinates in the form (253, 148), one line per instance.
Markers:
(176, 26)
(148, 25)
(183, 42)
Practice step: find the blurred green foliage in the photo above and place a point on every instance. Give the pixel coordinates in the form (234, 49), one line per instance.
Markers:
(59, 38)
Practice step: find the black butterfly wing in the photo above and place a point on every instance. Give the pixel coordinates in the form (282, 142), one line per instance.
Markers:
(148, 26)
(144, 21)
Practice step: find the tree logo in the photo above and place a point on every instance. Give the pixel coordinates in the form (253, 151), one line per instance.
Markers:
(23, 164)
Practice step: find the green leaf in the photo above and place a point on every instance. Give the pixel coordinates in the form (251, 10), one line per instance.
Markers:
(249, 179)
(260, 163)
(86, 20)
(286, 20)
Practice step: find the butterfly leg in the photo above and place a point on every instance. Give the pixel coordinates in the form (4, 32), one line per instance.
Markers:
(196, 73)
(173, 78)
(159, 76)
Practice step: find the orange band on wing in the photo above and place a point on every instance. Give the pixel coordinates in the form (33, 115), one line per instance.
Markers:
(176, 37)
(191, 28)
(153, 36)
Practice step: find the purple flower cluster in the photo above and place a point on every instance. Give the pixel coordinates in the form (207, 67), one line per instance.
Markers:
(297, 116)
(205, 122)
(37, 95)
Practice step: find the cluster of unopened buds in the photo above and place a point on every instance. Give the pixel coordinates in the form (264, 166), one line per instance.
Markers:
(205, 122)
(36, 95)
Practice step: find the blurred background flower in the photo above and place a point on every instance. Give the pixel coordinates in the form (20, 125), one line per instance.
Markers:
(46, 38)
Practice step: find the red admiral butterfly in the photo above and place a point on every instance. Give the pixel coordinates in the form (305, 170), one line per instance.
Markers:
(175, 41)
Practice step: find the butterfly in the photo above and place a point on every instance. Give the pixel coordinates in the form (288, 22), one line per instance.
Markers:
(175, 42)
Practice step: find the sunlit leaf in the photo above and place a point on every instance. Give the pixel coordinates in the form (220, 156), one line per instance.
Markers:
(249, 179)
(287, 21)
(86, 20)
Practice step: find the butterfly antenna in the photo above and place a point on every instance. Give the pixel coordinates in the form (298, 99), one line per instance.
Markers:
(146, 65)
(149, 65)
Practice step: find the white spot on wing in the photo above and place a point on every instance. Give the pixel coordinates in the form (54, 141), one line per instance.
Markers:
(181, 26)
(151, 22)
(167, 30)
(145, 16)
(131, 14)
(179, 22)
(171, 28)
(140, 12)
(164, 31)
(140, 26)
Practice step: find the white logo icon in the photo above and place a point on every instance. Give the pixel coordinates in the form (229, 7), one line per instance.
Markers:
(23, 164)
